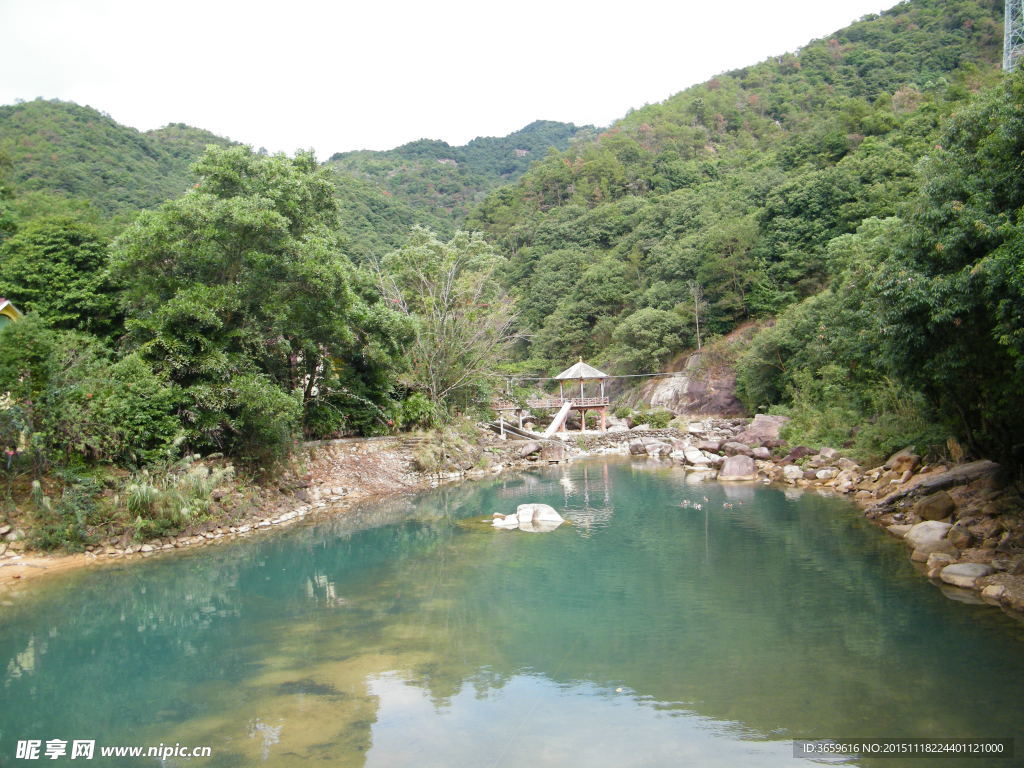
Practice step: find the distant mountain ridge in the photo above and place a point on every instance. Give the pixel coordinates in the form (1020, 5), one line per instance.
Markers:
(64, 149)
(446, 181)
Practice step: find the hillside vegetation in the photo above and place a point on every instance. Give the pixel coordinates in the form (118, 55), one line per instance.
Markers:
(77, 152)
(443, 181)
(748, 196)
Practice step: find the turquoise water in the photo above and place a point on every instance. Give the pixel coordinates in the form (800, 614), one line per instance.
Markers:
(410, 633)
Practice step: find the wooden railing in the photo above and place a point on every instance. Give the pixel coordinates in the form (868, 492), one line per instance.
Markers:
(552, 402)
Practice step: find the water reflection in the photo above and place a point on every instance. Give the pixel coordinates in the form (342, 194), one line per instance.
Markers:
(413, 627)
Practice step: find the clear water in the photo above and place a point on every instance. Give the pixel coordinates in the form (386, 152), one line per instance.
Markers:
(409, 633)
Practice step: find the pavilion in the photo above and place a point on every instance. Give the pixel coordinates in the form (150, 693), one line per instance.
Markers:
(567, 400)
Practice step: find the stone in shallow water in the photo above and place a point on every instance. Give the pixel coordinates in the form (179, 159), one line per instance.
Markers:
(964, 574)
(533, 518)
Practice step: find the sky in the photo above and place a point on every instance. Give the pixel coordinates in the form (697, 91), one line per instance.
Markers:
(374, 74)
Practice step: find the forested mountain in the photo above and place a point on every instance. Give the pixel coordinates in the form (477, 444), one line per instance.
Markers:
(734, 187)
(77, 152)
(443, 181)
(860, 198)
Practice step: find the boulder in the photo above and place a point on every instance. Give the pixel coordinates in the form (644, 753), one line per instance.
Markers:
(902, 461)
(936, 562)
(529, 448)
(828, 453)
(695, 457)
(964, 574)
(734, 448)
(618, 428)
(847, 465)
(761, 453)
(637, 448)
(900, 531)
(800, 452)
(763, 427)
(711, 446)
(792, 473)
(532, 518)
(738, 467)
(938, 506)
(537, 513)
(657, 448)
(927, 537)
(826, 474)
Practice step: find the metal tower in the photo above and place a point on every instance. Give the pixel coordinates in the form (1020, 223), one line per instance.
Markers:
(1013, 35)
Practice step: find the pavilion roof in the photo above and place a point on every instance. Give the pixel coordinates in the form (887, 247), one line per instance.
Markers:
(581, 371)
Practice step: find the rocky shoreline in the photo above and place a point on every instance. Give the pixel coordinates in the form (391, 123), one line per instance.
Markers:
(962, 523)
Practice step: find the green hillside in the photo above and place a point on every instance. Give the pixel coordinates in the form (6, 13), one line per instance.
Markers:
(59, 147)
(441, 181)
(736, 185)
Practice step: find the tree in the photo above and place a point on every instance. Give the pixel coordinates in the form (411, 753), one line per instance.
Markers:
(461, 318)
(239, 292)
(57, 267)
(646, 338)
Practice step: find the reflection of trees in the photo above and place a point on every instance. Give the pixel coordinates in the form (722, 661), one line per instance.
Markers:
(708, 610)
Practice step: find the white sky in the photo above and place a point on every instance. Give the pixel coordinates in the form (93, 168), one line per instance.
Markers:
(373, 74)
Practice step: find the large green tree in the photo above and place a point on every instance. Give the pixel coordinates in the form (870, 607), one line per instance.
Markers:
(240, 293)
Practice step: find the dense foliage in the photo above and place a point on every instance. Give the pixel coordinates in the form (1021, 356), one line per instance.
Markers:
(929, 302)
(441, 182)
(78, 152)
(736, 185)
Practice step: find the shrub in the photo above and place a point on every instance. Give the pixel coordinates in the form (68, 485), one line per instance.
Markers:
(172, 496)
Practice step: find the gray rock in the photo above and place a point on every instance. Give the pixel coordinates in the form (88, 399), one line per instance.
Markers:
(847, 465)
(711, 446)
(900, 531)
(658, 448)
(4, 530)
(826, 474)
(695, 457)
(929, 536)
(637, 448)
(964, 574)
(738, 467)
(792, 473)
(761, 453)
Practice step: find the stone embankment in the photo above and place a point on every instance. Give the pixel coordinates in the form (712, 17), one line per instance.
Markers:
(963, 524)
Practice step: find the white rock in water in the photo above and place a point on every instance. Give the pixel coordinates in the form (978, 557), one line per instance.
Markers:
(538, 513)
(511, 521)
(964, 574)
